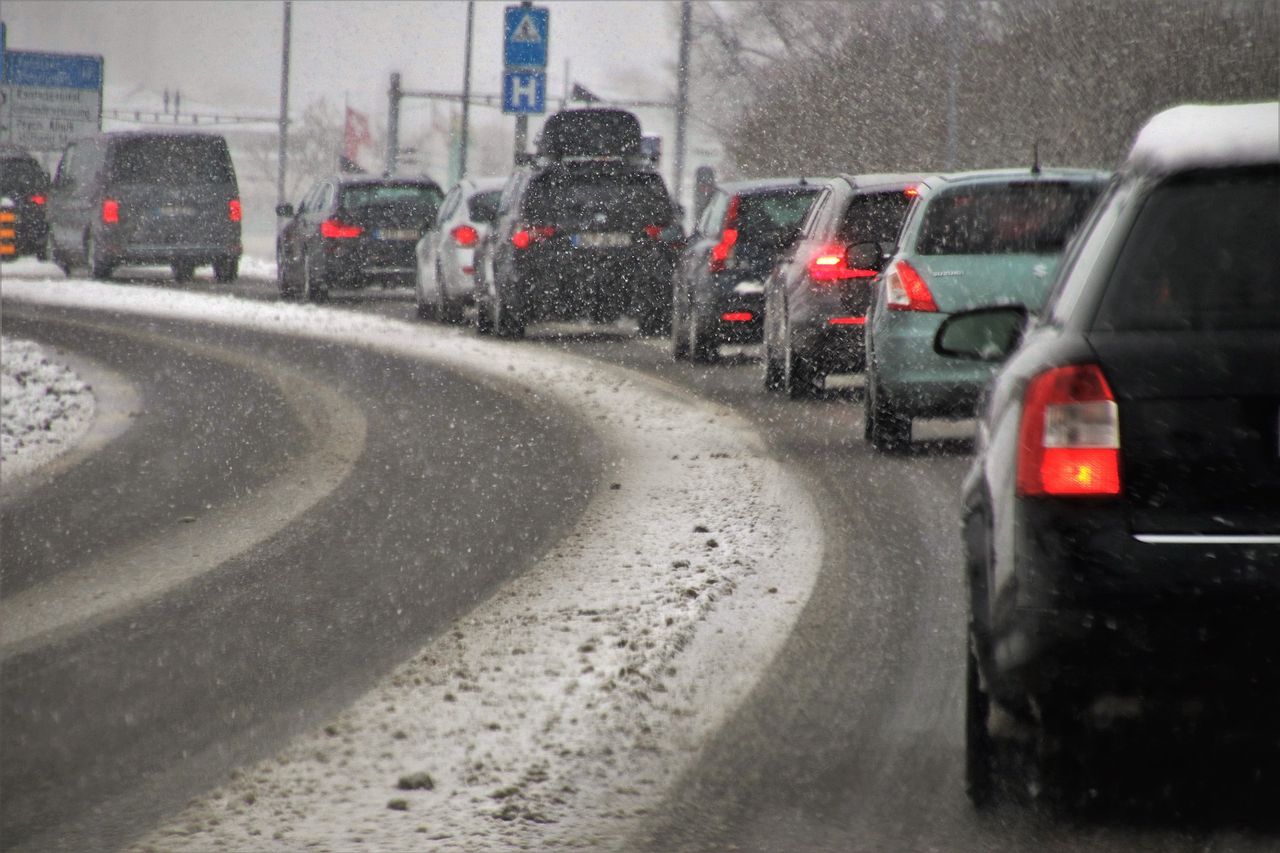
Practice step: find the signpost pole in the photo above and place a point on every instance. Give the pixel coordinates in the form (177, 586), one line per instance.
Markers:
(393, 123)
(283, 158)
(682, 95)
(524, 60)
(466, 92)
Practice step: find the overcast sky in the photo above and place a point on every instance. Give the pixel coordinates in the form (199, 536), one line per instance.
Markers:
(227, 53)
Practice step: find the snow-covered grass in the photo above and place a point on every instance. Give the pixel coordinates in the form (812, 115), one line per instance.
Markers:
(45, 408)
(561, 710)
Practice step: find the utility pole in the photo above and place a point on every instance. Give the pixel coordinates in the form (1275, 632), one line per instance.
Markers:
(393, 123)
(682, 93)
(282, 161)
(953, 74)
(466, 92)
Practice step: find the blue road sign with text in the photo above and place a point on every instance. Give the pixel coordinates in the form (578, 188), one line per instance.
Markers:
(52, 70)
(524, 91)
(524, 37)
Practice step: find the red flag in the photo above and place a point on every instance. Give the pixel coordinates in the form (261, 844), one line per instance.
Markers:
(356, 135)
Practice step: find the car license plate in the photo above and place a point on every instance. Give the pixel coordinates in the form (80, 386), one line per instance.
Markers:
(175, 211)
(603, 240)
(397, 234)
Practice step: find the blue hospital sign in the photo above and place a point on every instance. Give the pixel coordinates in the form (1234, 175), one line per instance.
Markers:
(524, 91)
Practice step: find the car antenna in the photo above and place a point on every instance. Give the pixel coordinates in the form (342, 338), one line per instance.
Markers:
(1035, 157)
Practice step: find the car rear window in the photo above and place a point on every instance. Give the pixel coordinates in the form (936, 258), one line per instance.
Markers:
(419, 197)
(1030, 217)
(171, 160)
(1202, 255)
(635, 198)
(875, 217)
(21, 174)
(765, 215)
(483, 206)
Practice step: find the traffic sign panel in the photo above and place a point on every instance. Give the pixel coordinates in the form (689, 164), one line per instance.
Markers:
(47, 99)
(525, 32)
(524, 91)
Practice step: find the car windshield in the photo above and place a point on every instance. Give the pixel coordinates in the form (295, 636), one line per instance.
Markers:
(171, 160)
(1030, 217)
(1202, 255)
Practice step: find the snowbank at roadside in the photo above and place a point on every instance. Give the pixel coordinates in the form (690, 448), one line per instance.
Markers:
(45, 408)
(560, 711)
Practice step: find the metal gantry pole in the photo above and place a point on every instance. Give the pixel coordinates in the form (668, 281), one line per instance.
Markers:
(283, 155)
(466, 92)
(393, 123)
(953, 83)
(682, 93)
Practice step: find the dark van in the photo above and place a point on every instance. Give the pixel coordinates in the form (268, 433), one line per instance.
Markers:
(146, 198)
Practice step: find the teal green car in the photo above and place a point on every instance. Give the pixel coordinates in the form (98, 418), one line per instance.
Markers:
(969, 240)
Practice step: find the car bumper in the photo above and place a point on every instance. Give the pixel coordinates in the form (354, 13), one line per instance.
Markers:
(916, 380)
(1096, 608)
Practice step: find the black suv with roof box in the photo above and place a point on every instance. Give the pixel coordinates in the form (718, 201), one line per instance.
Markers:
(581, 231)
(144, 197)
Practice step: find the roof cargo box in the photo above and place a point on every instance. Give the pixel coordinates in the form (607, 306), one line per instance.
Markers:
(590, 133)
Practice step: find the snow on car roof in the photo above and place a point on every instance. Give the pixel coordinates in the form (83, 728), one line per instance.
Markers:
(1198, 136)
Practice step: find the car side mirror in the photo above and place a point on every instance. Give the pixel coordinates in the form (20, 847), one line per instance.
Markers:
(285, 210)
(865, 256)
(983, 334)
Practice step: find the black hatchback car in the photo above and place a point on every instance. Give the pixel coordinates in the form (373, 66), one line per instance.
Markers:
(351, 230)
(817, 298)
(718, 285)
(584, 232)
(26, 184)
(1122, 517)
(142, 197)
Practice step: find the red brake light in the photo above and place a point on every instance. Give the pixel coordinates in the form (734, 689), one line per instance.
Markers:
(465, 235)
(737, 316)
(831, 263)
(110, 211)
(728, 237)
(1069, 436)
(653, 231)
(37, 199)
(336, 230)
(233, 210)
(847, 321)
(905, 290)
(530, 234)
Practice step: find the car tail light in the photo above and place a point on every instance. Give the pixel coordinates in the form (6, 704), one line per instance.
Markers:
(722, 251)
(831, 263)
(464, 235)
(911, 192)
(737, 316)
(653, 232)
(110, 211)
(37, 199)
(905, 290)
(335, 229)
(530, 234)
(233, 210)
(847, 321)
(1069, 437)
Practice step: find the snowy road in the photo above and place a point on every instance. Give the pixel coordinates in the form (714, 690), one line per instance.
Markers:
(851, 737)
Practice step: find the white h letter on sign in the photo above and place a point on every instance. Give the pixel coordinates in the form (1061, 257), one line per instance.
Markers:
(524, 91)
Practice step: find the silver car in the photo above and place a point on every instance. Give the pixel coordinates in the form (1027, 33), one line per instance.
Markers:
(446, 253)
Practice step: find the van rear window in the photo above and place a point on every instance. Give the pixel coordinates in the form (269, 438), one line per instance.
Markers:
(172, 161)
(1201, 256)
(636, 198)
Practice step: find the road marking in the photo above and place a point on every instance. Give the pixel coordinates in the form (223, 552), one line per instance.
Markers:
(89, 595)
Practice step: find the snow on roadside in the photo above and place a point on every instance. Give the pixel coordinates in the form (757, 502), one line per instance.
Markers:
(45, 408)
(560, 711)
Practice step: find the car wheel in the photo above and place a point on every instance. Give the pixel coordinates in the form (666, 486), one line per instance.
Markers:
(504, 323)
(312, 290)
(226, 270)
(484, 319)
(426, 308)
(774, 377)
(703, 347)
(100, 268)
(679, 334)
(51, 250)
(979, 767)
(287, 290)
(798, 375)
(183, 271)
(886, 428)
